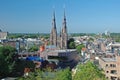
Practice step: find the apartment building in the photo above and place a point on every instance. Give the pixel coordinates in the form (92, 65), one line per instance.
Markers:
(111, 67)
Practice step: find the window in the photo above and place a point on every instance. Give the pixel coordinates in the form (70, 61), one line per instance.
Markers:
(107, 71)
(113, 71)
(107, 77)
(106, 65)
(113, 78)
(112, 65)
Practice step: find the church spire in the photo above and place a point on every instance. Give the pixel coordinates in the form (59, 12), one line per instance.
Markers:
(64, 23)
(53, 35)
(64, 18)
(54, 22)
(64, 35)
(64, 15)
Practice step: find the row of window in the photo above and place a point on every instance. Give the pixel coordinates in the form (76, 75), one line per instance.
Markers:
(111, 65)
(112, 71)
(113, 78)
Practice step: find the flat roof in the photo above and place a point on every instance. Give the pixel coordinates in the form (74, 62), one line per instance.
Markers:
(109, 59)
(57, 51)
(65, 50)
(116, 45)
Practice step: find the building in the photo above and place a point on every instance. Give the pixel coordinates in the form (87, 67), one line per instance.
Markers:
(3, 35)
(107, 33)
(59, 53)
(61, 40)
(53, 34)
(11, 43)
(111, 67)
(64, 35)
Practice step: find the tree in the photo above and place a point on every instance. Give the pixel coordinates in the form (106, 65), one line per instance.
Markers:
(37, 75)
(88, 71)
(79, 47)
(90, 39)
(71, 43)
(64, 74)
(33, 48)
(7, 60)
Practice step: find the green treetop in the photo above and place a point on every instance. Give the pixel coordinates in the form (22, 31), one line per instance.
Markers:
(88, 71)
(7, 60)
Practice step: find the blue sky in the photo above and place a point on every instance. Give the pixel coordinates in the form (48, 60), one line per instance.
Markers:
(33, 16)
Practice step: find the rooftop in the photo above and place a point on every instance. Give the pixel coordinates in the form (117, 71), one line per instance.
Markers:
(109, 59)
(65, 50)
(116, 45)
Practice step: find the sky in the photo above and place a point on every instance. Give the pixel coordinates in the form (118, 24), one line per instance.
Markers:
(83, 16)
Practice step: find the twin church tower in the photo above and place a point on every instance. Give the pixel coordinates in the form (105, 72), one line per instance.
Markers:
(60, 40)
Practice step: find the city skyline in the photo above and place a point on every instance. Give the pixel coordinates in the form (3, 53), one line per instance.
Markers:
(83, 16)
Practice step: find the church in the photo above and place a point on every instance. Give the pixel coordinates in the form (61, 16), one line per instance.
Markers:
(59, 41)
